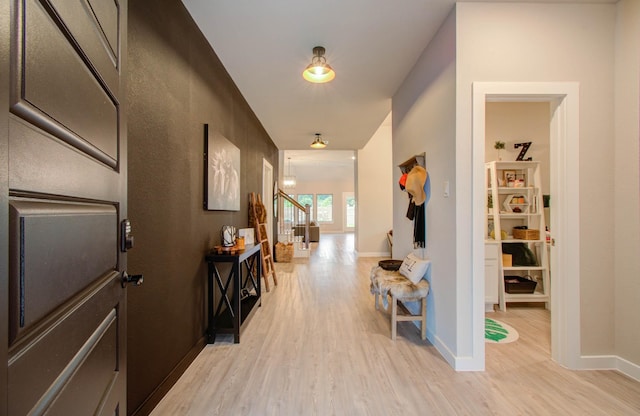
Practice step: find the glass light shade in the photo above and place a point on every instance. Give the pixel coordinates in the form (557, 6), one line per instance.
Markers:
(289, 181)
(318, 143)
(319, 73)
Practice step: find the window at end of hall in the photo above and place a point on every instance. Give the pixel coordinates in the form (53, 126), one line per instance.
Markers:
(324, 207)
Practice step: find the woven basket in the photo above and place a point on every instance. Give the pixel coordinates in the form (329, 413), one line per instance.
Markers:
(284, 252)
(520, 234)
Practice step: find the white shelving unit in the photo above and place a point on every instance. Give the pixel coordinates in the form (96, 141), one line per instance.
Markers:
(514, 189)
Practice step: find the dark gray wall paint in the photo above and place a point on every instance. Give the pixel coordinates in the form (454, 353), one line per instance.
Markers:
(176, 85)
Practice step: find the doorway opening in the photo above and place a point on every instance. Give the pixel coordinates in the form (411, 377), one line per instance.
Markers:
(349, 216)
(563, 185)
(517, 287)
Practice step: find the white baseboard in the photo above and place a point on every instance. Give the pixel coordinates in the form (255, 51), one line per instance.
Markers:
(610, 362)
(468, 364)
(628, 368)
(442, 348)
(373, 254)
(588, 362)
(457, 363)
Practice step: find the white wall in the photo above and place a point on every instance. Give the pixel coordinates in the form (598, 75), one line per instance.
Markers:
(546, 42)
(374, 194)
(627, 184)
(424, 121)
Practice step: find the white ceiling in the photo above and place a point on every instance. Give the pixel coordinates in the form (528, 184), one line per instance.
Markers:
(371, 44)
(319, 166)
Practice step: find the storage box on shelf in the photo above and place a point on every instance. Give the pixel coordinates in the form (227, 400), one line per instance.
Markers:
(525, 234)
(519, 284)
(517, 224)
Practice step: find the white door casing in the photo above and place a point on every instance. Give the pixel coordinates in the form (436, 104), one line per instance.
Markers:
(564, 186)
(267, 196)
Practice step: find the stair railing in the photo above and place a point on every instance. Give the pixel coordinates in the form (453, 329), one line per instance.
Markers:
(304, 210)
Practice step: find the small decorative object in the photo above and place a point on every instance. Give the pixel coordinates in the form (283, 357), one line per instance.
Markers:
(490, 203)
(228, 235)
(248, 234)
(499, 146)
(503, 234)
(240, 243)
(391, 265)
(515, 203)
(525, 146)
(509, 178)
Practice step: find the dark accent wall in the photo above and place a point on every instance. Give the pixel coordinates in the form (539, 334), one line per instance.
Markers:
(176, 84)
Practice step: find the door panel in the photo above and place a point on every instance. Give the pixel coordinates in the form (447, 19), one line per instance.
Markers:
(67, 196)
(98, 373)
(53, 168)
(47, 359)
(51, 235)
(94, 24)
(57, 88)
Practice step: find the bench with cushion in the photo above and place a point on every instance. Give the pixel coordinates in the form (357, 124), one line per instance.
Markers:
(401, 288)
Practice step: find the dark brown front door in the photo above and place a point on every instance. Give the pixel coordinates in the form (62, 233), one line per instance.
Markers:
(64, 197)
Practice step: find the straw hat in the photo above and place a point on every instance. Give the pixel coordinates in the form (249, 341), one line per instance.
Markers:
(415, 184)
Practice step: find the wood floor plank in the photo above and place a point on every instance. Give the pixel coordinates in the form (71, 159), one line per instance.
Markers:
(317, 346)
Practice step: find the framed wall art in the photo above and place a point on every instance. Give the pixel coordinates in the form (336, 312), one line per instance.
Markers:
(221, 173)
(509, 176)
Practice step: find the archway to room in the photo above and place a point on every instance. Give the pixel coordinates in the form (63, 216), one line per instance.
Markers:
(324, 179)
(562, 99)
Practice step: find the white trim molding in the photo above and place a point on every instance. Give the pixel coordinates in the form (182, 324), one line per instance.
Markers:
(564, 165)
(610, 362)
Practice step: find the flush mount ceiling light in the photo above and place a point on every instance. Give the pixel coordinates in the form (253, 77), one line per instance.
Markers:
(318, 143)
(318, 71)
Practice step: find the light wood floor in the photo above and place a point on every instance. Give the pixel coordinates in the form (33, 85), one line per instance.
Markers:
(317, 346)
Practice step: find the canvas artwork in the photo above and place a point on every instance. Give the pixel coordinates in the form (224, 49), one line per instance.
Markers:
(222, 175)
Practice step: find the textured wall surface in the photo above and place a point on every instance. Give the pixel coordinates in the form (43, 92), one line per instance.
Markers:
(176, 84)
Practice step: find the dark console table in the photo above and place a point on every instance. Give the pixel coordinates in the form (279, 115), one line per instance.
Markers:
(242, 284)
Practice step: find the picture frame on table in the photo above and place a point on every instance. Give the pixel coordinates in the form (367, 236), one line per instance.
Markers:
(509, 176)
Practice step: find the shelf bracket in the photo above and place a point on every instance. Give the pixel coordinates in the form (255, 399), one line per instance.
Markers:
(407, 165)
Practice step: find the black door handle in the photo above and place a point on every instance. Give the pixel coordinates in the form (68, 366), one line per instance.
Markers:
(135, 279)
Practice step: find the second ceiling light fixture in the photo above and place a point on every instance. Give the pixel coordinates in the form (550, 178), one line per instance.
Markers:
(319, 143)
